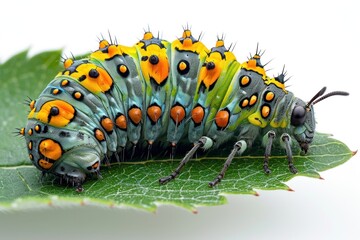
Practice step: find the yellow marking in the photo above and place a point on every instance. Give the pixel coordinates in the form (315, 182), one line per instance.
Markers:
(276, 83)
(66, 113)
(257, 120)
(188, 45)
(251, 65)
(281, 124)
(95, 85)
(160, 71)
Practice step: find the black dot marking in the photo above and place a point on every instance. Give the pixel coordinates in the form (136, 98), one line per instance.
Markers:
(89, 168)
(64, 134)
(62, 169)
(144, 58)
(154, 59)
(210, 65)
(54, 111)
(80, 136)
(46, 129)
(82, 78)
(93, 73)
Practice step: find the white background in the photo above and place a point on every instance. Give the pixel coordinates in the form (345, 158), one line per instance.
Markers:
(318, 42)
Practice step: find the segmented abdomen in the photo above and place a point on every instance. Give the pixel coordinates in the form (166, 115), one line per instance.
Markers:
(160, 91)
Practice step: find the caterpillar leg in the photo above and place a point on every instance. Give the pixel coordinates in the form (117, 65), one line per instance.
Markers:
(268, 141)
(239, 147)
(286, 140)
(202, 142)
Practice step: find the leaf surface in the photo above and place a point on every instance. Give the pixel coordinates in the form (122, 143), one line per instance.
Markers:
(134, 184)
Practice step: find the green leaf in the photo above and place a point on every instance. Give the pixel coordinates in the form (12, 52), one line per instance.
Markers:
(134, 184)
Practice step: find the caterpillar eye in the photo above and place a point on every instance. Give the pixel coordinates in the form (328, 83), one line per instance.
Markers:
(298, 115)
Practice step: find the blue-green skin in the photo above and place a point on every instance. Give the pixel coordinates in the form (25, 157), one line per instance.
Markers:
(81, 149)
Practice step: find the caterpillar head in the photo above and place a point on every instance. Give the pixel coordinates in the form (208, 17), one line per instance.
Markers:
(303, 118)
(66, 153)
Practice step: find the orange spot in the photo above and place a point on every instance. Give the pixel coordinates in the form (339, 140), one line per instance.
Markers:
(22, 131)
(182, 66)
(66, 113)
(103, 44)
(177, 113)
(186, 33)
(68, 62)
(123, 68)
(107, 124)
(252, 63)
(222, 118)
(147, 36)
(197, 114)
(245, 80)
(219, 43)
(253, 100)
(99, 135)
(64, 82)
(120, 122)
(30, 145)
(45, 164)
(30, 131)
(135, 115)
(55, 91)
(31, 156)
(245, 102)
(37, 128)
(154, 113)
(77, 95)
(50, 149)
(265, 111)
(113, 50)
(269, 96)
(32, 105)
(95, 165)
(187, 42)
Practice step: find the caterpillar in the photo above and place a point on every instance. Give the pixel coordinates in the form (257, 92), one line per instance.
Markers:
(122, 100)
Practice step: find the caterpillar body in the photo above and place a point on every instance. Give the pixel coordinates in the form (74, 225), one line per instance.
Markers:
(124, 99)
